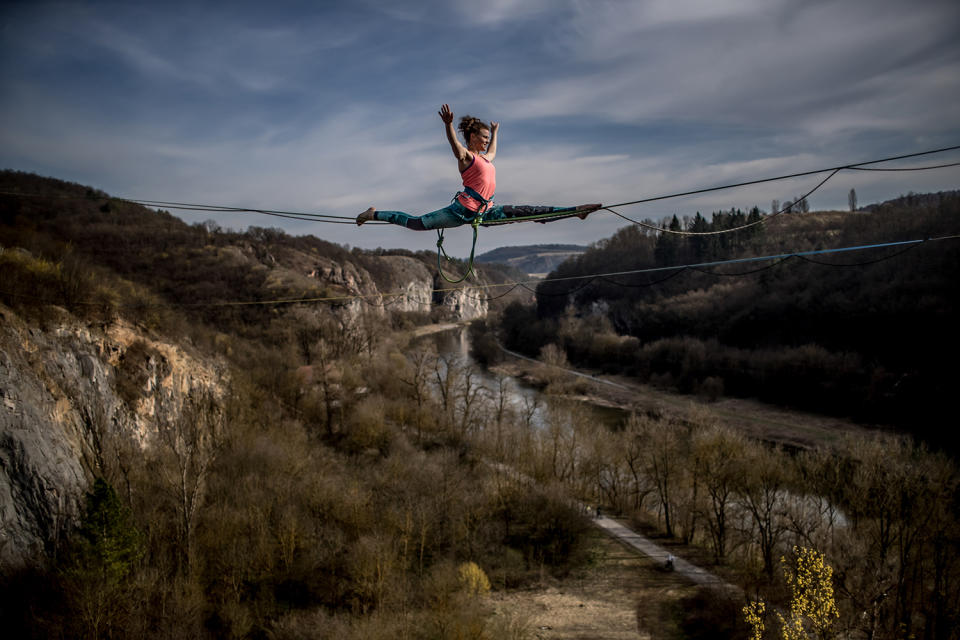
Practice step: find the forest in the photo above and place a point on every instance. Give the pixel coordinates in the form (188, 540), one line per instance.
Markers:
(390, 495)
(868, 334)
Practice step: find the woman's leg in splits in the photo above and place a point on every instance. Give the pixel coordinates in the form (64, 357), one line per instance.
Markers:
(452, 215)
(456, 214)
(507, 211)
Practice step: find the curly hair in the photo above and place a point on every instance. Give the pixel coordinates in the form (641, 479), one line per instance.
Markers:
(470, 125)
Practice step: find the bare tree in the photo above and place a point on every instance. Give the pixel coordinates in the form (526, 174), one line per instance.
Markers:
(762, 485)
(469, 394)
(416, 377)
(632, 448)
(715, 452)
(662, 462)
(190, 442)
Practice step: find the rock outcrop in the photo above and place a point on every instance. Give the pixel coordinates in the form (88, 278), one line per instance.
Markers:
(64, 389)
(409, 283)
(464, 304)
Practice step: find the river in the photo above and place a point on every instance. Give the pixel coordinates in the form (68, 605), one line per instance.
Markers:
(525, 400)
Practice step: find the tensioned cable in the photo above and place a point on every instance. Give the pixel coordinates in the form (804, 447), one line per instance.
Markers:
(310, 217)
(350, 220)
(644, 284)
(857, 264)
(564, 293)
(606, 279)
(928, 168)
(762, 220)
(786, 177)
(303, 300)
(497, 297)
(334, 219)
(798, 254)
(834, 170)
(225, 209)
(752, 271)
(184, 206)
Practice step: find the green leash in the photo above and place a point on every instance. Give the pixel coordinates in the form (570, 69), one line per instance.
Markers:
(440, 252)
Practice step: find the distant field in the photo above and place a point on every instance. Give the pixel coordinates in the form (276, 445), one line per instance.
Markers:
(534, 260)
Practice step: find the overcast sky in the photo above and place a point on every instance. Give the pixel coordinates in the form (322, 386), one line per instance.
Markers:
(331, 107)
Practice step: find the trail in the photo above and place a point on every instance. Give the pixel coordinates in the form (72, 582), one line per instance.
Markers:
(632, 539)
(651, 549)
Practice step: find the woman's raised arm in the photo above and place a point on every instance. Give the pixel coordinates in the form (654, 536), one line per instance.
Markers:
(460, 151)
(492, 147)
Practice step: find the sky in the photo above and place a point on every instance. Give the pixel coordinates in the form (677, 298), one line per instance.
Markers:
(331, 107)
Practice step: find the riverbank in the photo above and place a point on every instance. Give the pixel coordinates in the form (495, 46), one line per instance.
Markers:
(794, 429)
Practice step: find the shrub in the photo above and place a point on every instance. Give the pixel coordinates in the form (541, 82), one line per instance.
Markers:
(473, 579)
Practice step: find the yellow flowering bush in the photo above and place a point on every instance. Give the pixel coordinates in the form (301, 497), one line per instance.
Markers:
(813, 608)
(473, 579)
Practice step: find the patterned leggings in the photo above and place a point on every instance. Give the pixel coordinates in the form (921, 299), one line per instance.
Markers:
(455, 215)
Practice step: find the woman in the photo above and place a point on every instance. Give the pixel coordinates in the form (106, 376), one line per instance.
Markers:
(479, 183)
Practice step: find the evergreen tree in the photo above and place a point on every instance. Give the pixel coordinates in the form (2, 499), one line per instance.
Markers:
(102, 556)
(668, 245)
(701, 244)
(108, 543)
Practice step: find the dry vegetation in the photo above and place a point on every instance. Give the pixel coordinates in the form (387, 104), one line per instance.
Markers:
(342, 487)
(869, 335)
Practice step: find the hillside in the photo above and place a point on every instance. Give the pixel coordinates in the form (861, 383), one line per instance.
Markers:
(869, 334)
(210, 434)
(218, 434)
(535, 259)
(204, 264)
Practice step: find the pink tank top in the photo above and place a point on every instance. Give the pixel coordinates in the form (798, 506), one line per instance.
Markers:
(481, 176)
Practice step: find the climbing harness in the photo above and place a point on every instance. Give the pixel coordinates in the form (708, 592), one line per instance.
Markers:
(475, 223)
(469, 191)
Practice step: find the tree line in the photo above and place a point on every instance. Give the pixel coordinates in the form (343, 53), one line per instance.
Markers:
(866, 334)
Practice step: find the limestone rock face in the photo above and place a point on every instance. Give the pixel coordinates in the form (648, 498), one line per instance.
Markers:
(465, 304)
(464, 301)
(64, 390)
(408, 283)
(69, 389)
(346, 279)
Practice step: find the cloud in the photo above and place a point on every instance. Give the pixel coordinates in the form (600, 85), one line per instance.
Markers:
(780, 64)
(331, 107)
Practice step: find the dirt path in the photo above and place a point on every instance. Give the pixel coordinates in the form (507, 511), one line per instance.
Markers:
(622, 595)
(627, 593)
(660, 555)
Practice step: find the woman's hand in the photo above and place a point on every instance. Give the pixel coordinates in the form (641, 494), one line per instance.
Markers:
(460, 151)
(492, 147)
(446, 114)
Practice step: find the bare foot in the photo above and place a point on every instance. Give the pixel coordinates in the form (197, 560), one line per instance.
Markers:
(366, 216)
(586, 209)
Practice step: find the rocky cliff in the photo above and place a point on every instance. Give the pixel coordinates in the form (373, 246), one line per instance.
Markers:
(406, 284)
(380, 284)
(69, 389)
(73, 385)
(66, 390)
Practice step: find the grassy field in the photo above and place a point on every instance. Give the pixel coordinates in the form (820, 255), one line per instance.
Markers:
(622, 594)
